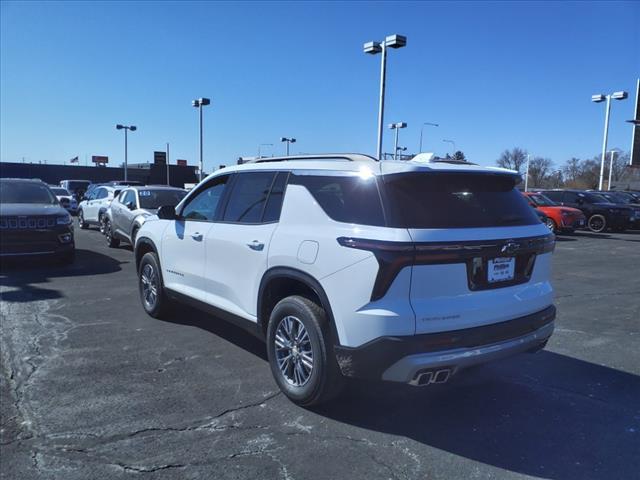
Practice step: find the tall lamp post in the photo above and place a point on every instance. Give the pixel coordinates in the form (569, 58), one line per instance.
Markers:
(288, 141)
(126, 128)
(451, 142)
(373, 48)
(422, 129)
(396, 127)
(621, 95)
(199, 103)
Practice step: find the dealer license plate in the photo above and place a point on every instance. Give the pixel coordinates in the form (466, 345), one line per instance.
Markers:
(501, 269)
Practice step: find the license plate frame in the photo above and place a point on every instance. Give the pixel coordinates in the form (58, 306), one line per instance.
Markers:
(501, 269)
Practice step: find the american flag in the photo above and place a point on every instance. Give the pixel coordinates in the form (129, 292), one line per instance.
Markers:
(74, 160)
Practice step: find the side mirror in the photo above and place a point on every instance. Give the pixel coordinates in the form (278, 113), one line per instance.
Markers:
(167, 212)
(130, 205)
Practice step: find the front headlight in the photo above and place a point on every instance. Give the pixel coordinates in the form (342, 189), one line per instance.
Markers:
(65, 220)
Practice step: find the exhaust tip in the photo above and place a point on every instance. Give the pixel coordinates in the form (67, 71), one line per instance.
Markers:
(423, 378)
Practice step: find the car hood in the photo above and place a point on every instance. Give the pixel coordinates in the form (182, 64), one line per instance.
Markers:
(17, 209)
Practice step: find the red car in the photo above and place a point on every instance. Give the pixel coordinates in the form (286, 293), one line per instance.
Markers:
(559, 218)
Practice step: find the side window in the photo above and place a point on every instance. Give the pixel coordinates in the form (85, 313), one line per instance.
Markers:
(102, 193)
(571, 197)
(248, 197)
(204, 205)
(556, 196)
(129, 196)
(120, 198)
(274, 202)
(348, 199)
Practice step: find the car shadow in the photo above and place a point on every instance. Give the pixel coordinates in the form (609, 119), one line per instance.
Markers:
(26, 275)
(195, 318)
(546, 415)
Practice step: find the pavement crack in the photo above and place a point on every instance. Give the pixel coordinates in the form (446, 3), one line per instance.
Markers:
(155, 468)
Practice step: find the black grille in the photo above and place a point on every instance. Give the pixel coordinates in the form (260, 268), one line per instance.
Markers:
(27, 222)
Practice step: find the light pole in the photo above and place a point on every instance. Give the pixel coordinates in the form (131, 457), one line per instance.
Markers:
(263, 145)
(168, 164)
(526, 175)
(289, 141)
(199, 103)
(126, 128)
(612, 152)
(451, 142)
(372, 48)
(621, 95)
(421, 130)
(396, 127)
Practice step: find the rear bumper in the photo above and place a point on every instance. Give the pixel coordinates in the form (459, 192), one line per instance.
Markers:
(399, 359)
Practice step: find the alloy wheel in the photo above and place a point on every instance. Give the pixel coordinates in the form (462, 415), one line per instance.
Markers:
(150, 286)
(294, 352)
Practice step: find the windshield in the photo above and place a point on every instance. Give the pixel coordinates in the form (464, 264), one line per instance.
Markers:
(60, 191)
(455, 200)
(541, 201)
(152, 199)
(26, 192)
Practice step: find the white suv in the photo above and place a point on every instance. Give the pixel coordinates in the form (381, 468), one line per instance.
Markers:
(345, 266)
(93, 208)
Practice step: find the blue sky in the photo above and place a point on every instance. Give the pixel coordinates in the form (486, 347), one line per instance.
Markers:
(493, 75)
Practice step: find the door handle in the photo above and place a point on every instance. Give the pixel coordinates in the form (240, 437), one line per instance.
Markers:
(256, 245)
(196, 236)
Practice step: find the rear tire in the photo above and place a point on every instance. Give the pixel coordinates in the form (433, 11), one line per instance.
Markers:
(108, 233)
(101, 220)
(81, 223)
(301, 353)
(597, 223)
(154, 300)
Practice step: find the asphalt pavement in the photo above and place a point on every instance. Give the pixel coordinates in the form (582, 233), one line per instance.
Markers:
(93, 388)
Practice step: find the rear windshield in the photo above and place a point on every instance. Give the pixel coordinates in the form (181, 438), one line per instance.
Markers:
(455, 200)
(60, 191)
(78, 184)
(26, 192)
(152, 199)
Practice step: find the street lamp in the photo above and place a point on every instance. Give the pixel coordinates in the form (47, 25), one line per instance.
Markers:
(199, 103)
(421, 129)
(263, 145)
(396, 127)
(126, 128)
(451, 142)
(289, 141)
(373, 48)
(621, 95)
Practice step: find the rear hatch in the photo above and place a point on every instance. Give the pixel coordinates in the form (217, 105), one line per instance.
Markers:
(481, 254)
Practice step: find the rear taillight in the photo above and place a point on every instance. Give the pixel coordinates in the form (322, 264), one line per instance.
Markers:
(392, 257)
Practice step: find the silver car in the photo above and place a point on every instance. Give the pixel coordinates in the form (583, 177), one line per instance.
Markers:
(132, 207)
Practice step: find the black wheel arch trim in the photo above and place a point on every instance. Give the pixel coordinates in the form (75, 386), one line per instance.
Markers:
(144, 241)
(275, 273)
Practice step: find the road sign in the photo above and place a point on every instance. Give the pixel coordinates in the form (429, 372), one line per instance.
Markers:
(160, 158)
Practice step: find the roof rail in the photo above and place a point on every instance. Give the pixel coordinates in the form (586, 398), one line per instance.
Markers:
(349, 157)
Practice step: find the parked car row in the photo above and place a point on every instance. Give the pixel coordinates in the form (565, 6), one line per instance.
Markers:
(569, 210)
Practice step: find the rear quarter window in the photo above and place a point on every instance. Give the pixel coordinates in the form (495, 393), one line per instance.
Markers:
(348, 199)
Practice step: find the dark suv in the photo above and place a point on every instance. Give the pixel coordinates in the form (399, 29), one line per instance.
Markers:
(601, 213)
(32, 221)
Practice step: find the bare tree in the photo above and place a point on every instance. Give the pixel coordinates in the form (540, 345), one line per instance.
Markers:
(540, 170)
(513, 159)
(572, 169)
(459, 156)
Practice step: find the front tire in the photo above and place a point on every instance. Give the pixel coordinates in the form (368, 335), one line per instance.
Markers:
(597, 223)
(101, 220)
(81, 223)
(154, 300)
(108, 233)
(301, 353)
